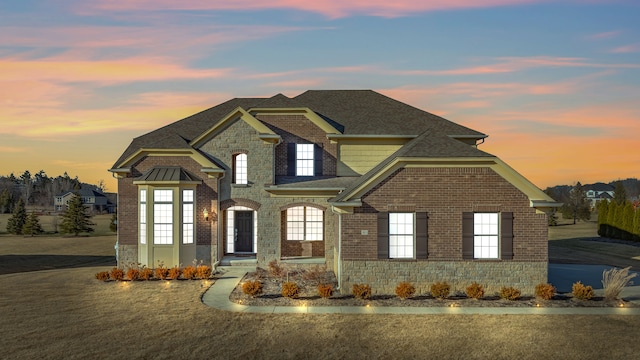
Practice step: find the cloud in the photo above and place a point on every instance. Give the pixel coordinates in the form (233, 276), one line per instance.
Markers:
(633, 48)
(12, 149)
(604, 35)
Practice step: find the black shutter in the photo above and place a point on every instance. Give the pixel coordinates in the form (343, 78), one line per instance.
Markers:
(422, 235)
(317, 160)
(291, 159)
(506, 236)
(467, 235)
(383, 235)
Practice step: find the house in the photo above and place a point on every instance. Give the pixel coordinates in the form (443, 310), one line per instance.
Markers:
(598, 192)
(93, 200)
(375, 189)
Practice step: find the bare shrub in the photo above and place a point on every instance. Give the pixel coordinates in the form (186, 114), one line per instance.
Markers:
(361, 291)
(102, 276)
(290, 289)
(189, 272)
(581, 291)
(252, 288)
(174, 273)
(509, 293)
(614, 280)
(440, 290)
(203, 271)
(474, 291)
(133, 274)
(315, 275)
(405, 290)
(325, 291)
(275, 269)
(117, 274)
(146, 273)
(545, 291)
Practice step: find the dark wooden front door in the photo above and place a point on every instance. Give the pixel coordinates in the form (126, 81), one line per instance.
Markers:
(244, 231)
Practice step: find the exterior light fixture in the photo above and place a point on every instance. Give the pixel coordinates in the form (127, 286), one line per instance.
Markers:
(205, 213)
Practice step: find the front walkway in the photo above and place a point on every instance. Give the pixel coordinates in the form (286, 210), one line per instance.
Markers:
(217, 296)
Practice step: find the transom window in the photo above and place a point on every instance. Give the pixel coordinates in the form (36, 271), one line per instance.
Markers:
(305, 223)
(304, 160)
(187, 216)
(485, 235)
(163, 217)
(401, 235)
(143, 216)
(240, 169)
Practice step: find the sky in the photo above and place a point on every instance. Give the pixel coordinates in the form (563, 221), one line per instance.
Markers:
(555, 84)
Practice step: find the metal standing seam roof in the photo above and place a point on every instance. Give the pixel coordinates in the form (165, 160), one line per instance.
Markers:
(168, 174)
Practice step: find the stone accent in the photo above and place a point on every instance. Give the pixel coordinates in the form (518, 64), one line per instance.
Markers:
(127, 254)
(384, 275)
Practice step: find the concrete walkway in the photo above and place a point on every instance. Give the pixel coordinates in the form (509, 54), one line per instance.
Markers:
(217, 296)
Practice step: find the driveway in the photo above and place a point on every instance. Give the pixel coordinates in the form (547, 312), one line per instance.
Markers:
(562, 276)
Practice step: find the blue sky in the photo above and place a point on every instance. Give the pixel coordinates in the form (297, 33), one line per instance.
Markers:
(555, 84)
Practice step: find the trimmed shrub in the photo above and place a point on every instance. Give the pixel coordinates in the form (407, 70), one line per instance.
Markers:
(581, 291)
(117, 274)
(161, 272)
(203, 271)
(325, 291)
(189, 272)
(290, 289)
(545, 291)
(509, 293)
(146, 273)
(405, 290)
(474, 291)
(252, 288)
(440, 290)
(614, 280)
(174, 273)
(133, 274)
(361, 291)
(102, 276)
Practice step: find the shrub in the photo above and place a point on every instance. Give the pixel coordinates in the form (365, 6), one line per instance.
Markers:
(582, 292)
(545, 291)
(361, 291)
(146, 273)
(290, 289)
(252, 288)
(405, 290)
(203, 271)
(162, 272)
(133, 274)
(509, 293)
(189, 272)
(474, 291)
(102, 276)
(275, 269)
(440, 290)
(614, 280)
(174, 273)
(117, 274)
(325, 291)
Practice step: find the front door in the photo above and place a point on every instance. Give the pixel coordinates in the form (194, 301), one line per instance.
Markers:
(244, 231)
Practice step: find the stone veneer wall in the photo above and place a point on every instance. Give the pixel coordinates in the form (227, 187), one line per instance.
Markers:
(384, 275)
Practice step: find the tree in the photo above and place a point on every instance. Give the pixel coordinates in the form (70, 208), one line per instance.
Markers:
(577, 206)
(113, 224)
(603, 211)
(17, 220)
(627, 221)
(619, 193)
(32, 225)
(75, 220)
(6, 201)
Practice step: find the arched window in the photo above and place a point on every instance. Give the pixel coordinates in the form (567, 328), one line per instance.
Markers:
(240, 169)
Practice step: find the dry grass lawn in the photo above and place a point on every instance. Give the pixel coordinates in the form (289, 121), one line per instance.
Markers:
(67, 314)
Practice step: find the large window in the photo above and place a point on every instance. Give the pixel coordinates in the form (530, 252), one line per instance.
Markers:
(401, 235)
(143, 216)
(304, 160)
(305, 223)
(240, 169)
(187, 216)
(163, 217)
(485, 235)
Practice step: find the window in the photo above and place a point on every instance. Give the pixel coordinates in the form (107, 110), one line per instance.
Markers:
(305, 223)
(240, 169)
(304, 160)
(143, 216)
(401, 235)
(163, 217)
(485, 236)
(187, 216)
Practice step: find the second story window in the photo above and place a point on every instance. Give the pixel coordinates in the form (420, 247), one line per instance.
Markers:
(304, 159)
(240, 169)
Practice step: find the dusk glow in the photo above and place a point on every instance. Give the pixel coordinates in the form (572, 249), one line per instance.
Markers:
(555, 86)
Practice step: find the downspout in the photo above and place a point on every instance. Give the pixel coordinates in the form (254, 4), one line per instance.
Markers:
(339, 274)
(220, 252)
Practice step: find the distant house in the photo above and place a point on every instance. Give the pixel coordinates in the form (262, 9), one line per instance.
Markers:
(598, 192)
(92, 199)
(376, 190)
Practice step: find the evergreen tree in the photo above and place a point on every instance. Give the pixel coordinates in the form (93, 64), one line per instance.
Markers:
(578, 206)
(619, 193)
(627, 221)
(603, 210)
(32, 225)
(17, 220)
(75, 220)
(113, 224)
(6, 201)
(636, 225)
(552, 218)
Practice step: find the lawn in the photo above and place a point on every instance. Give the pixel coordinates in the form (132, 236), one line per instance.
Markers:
(66, 314)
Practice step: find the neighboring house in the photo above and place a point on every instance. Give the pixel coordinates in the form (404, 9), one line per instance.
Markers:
(92, 199)
(375, 189)
(598, 192)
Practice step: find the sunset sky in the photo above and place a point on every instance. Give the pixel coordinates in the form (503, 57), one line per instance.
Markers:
(555, 84)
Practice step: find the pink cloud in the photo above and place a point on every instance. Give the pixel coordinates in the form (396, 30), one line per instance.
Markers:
(604, 35)
(633, 48)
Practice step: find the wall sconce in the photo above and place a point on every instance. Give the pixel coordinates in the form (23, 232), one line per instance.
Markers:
(205, 213)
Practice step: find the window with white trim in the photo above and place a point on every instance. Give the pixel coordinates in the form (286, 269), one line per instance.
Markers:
(304, 160)
(163, 217)
(401, 235)
(240, 169)
(187, 216)
(305, 223)
(143, 216)
(486, 236)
